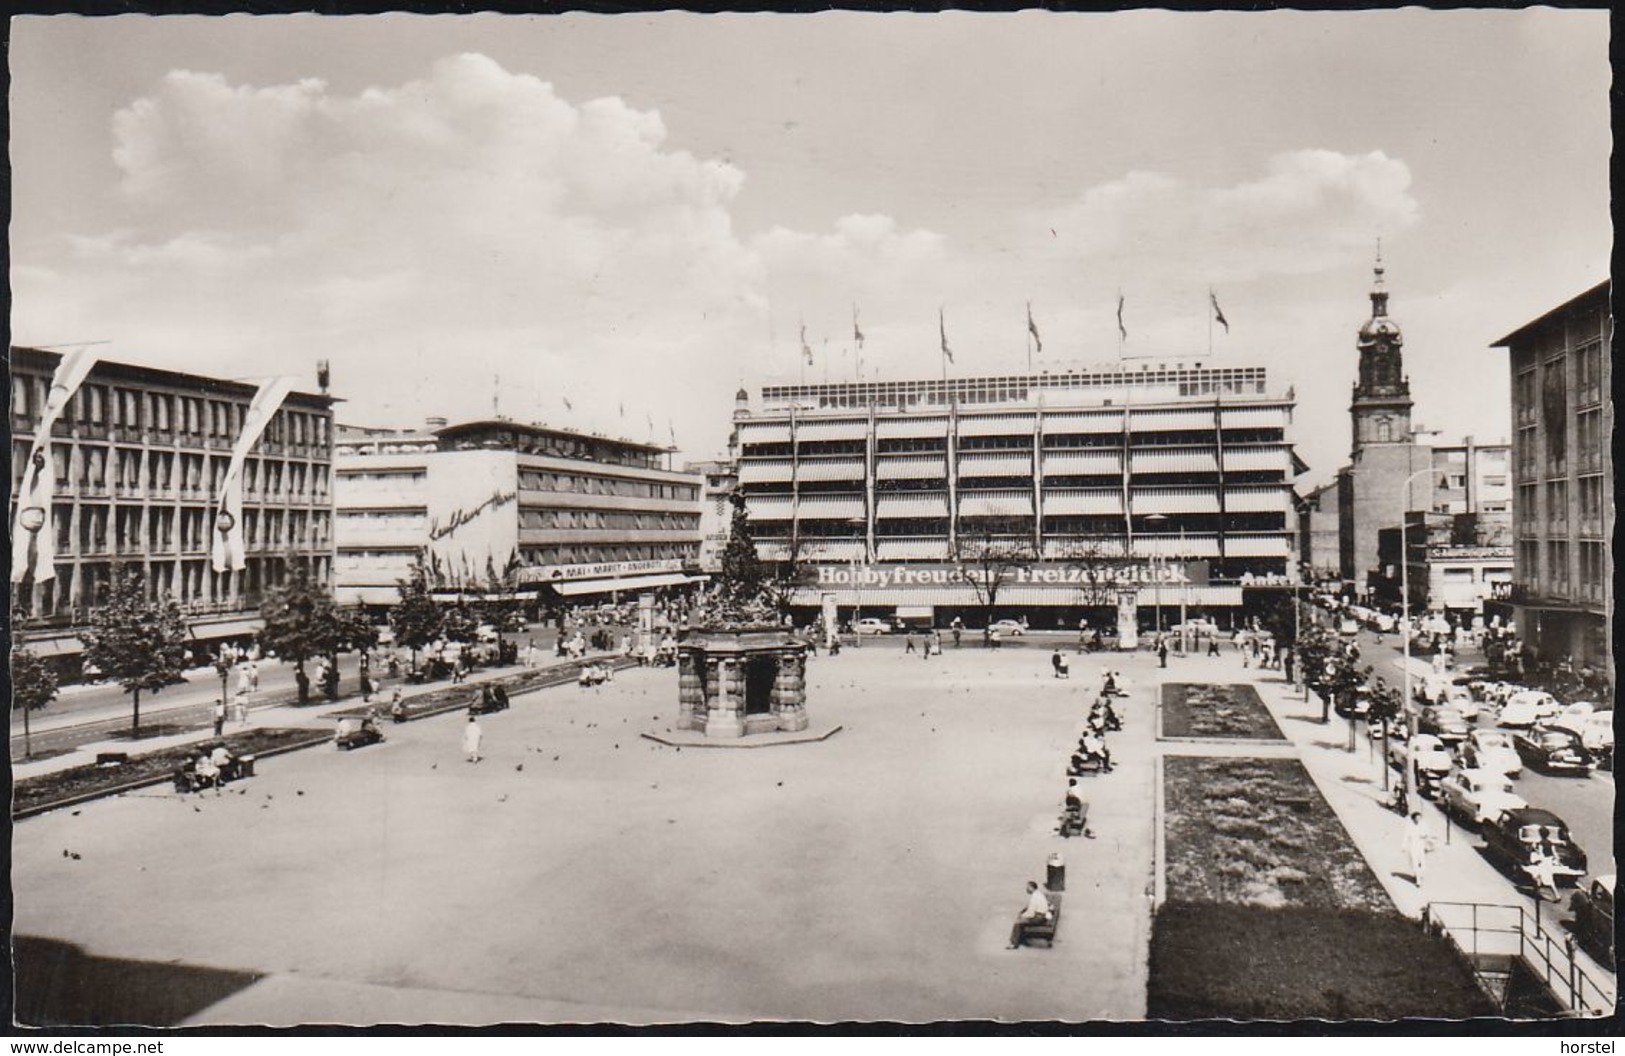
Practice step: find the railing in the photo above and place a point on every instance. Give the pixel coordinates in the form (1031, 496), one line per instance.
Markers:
(1480, 929)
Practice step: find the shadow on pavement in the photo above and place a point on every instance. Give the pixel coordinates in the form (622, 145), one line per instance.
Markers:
(59, 984)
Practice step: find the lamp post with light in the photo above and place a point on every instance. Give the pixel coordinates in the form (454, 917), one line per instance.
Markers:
(32, 519)
(1405, 623)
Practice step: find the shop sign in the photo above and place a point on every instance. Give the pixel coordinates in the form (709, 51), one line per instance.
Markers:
(600, 570)
(1469, 553)
(1172, 573)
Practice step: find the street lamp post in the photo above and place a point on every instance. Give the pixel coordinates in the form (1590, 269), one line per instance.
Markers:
(1184, 595)
(1156, 580)
(1405, 625)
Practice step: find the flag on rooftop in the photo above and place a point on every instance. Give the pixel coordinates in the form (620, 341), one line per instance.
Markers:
(1122, 331)
(857, 335)
(806, 350)
(1218, 313)
(942, 329)
(1032, 328)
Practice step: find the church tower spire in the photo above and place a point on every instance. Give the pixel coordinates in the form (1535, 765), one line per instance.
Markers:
(1381, 407)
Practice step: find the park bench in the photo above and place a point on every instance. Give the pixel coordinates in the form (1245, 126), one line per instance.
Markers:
(1092, 765)
(1044, 930)
(1075, 821)
(187, 779)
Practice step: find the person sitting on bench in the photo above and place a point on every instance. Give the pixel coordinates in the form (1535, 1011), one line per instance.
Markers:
(207, 773)
(224, 763)
(1094, 747)
(1037, 909)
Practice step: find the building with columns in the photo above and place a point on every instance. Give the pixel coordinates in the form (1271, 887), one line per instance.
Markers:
(139, 456)
(1090, 494)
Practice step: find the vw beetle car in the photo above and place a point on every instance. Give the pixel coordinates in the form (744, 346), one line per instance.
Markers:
(1553, 750)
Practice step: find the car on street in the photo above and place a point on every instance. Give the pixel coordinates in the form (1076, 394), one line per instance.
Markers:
(1461, 698)
(1478, 796)
(1444, 722)
(1491, 750)
(1348, 627)
(1527, 707)
(1385, 623)
(1426, 755)
(485, 632)
(1512, 840)
(1010, 627)
(1593, 923)
(1596, 728)
(1197, 626)
(872, 625)
(1552, 750)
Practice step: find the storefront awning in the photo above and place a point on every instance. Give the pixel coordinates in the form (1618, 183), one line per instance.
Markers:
(226, 629)
(578, 587)
(61, 645)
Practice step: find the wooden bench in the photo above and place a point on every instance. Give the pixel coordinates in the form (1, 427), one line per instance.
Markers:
(1093, 765)
(1075, 822)
(1044, 930)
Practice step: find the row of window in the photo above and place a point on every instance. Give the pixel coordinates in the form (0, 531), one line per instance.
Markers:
(193, 583)
(559, 445)
(595, 553)
(583, 484)
(609, 519)
(1547, 567)
(95, 406)
(134, 530)
(127, 470)
(1191, 382)
(1195, 525)
(1022, 441)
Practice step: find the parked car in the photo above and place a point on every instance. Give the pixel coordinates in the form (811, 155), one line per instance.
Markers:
(1386, 623)
(1461, 698)
(1348, 627)
(1196, 626)
(1478, 796)
(1008, 627)
(1552, 750)
(1444, 722)
(1512, 840)
(1596, 732)
(1491, 750)
(1527, 707)
(485, 632)
(872, 625)
(1593, 923)
(1426, 755)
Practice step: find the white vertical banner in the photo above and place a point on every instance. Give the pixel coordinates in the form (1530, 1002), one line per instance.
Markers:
(227, 551)
(38, 487)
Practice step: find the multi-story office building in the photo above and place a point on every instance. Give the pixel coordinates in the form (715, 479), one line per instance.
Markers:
(139, 457)
(1563, 473)
(561, 514)
(1103, 489)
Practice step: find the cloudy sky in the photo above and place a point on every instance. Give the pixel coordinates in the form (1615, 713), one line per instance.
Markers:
(641, 212)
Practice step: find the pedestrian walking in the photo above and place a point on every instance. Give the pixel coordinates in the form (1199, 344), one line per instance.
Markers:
(1162, 652)
(1213, 645)
(909, 643)
(1416, 847)
(219, 716)
(239, 705)
(253, 676)
(471, 739)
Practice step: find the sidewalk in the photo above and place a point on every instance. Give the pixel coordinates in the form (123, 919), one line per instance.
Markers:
(283, 713)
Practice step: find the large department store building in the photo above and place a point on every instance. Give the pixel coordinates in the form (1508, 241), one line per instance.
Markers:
(1563, 472)
(1082, 495)
(559, 515)
(139, 456)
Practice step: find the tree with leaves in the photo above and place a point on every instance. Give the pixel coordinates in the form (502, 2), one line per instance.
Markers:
(301, 621)
(416, 619)
(33, 685)
(989, 553)
(139, 644)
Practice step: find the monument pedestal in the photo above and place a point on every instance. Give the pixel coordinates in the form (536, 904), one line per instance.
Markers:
(737, 683)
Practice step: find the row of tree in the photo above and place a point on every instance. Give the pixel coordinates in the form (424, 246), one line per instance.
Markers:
(140, 643)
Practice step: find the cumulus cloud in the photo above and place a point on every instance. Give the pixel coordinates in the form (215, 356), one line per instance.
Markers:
(429, 236)
(1305, 213)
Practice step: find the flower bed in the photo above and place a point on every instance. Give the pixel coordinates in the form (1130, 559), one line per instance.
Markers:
(1272, 912)
(36, 793)
(1216, 961)
(1201, 709)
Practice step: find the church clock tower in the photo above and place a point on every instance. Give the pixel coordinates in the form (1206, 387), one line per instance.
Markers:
(1381, 409)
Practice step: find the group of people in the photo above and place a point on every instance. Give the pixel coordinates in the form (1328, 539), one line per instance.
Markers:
(927, 644)
(594, 675)
(1092, 752)
(208, 770)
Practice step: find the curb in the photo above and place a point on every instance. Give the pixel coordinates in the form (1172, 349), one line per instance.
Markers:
(743, 742)
(147, 782)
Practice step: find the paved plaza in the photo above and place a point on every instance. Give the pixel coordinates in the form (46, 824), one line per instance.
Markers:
(583, 873)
